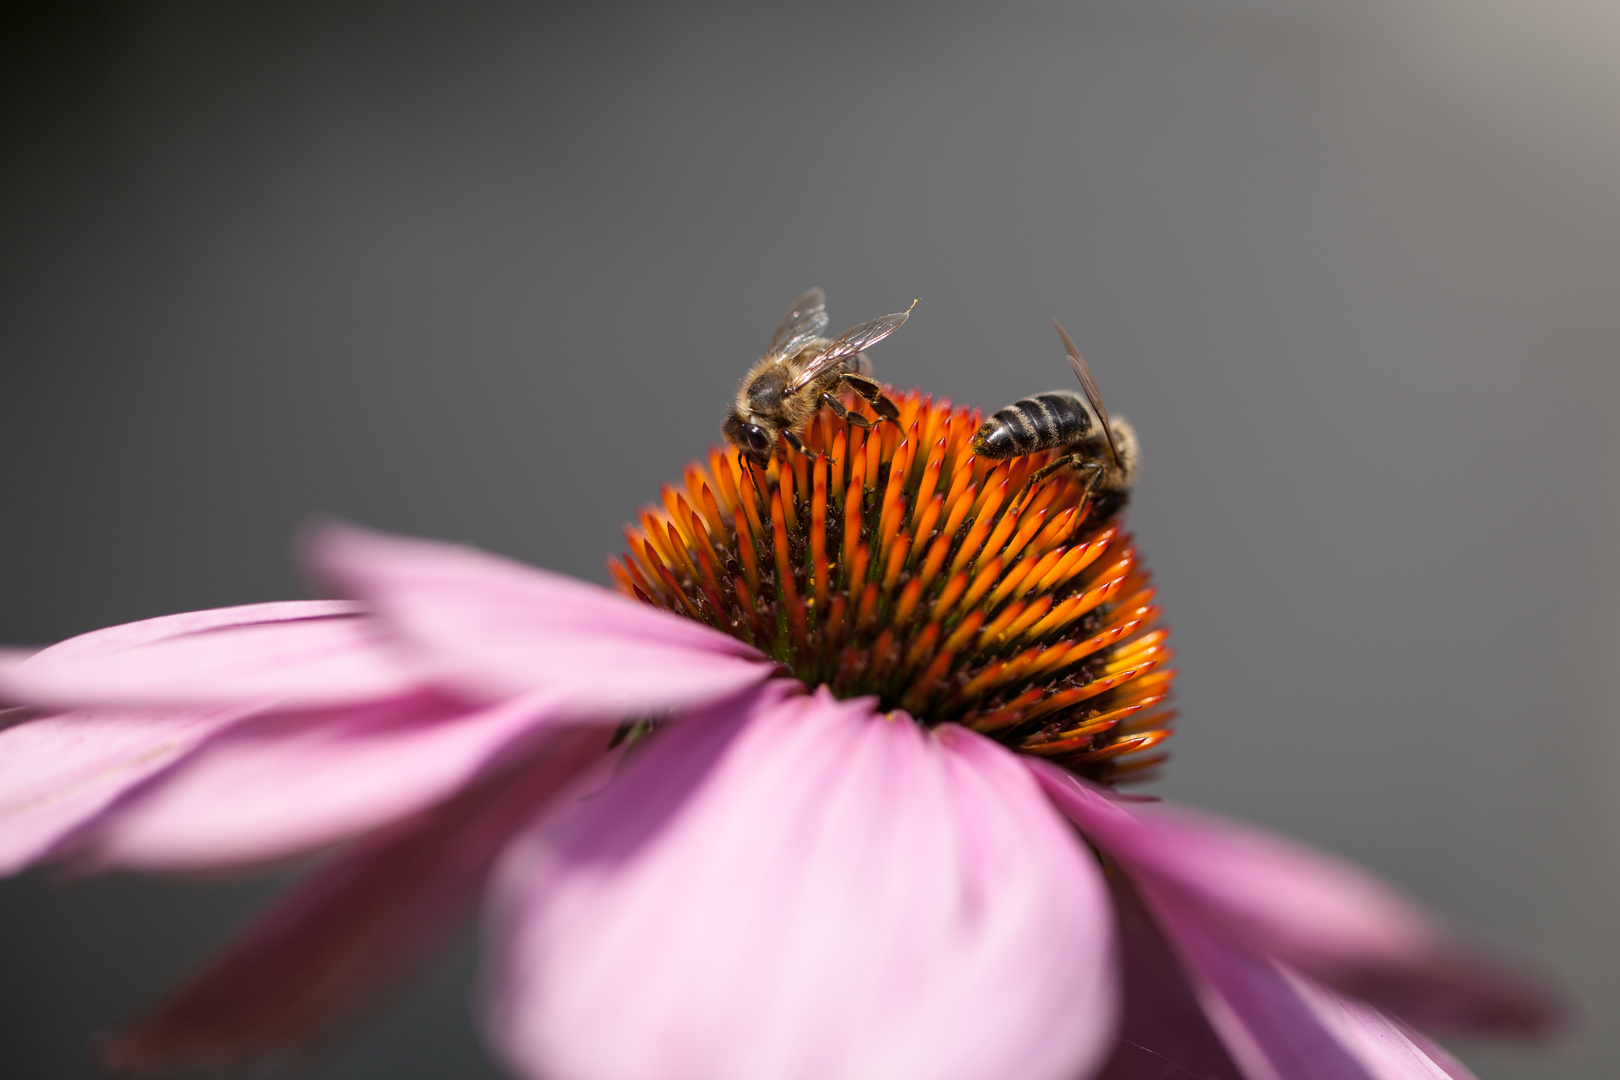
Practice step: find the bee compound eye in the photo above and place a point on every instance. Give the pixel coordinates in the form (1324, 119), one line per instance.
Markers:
(759, 441)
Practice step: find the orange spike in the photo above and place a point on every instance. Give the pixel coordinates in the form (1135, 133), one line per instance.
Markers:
(1056, 532)
(784, 566)
(748, 485)
(995, 478)
(711, 512)
(866, 613)
(1123, 747)
(997, 541)
(960, 503)
(924, 522)
(908, 602)
(723, 469)
(857, 567)
(682, 561)
(1030, 616)
(875, 441)
(841, 464)
(897, 560)
(1075, 606)
(652, 528)
(961, 479)
(784, 501)
(709, 583)
(1118, 716)
(696, 485)
(893, 507)
(1011, 582)
(954, 588)
(1150, 717)
(990, 676)
(677, 507)
(836, 626)
(883, 650)
(852, 510)
(922, 646)
(987, 575)
(982, 524)
(1077, 739)
(801, 482)
(914, 464)
(930, 474)
(621, 577)
(745, 549)
(1148, 646)
(751, 613)
(1037, 568)
(923, 689)
(1000, 623)
(700, 536)
(818, 533)
(968, 627)
(642, 574)
(934, 560)
(1073, 561)
(671, 586)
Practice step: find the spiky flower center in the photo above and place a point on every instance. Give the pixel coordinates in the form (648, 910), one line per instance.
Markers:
(890, 564)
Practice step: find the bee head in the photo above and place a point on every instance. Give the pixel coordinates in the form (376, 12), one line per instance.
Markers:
(753, 440)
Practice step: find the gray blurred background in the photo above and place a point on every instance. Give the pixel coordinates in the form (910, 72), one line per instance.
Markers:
(490, 273)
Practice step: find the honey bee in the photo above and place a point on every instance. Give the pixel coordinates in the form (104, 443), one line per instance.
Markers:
(1104, 450)
(800, 372)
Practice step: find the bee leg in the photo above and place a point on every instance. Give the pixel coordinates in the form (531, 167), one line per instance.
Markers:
(798, 444)
(747, 468)
(873, 394)
(844, 414)
(1093, 468)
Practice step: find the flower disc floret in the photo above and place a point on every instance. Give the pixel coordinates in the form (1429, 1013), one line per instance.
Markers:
(889, 561)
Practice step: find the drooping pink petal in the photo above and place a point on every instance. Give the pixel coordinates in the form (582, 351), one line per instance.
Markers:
(1316, 912)
(1164, 1034)
(312, 652)
(795, 887)
(291, 783)
(495, 627)
(354, 930)
(60, 772)
(1280, 1024)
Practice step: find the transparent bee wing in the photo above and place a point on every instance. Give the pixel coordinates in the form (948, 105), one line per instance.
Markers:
(1089, 385)
(803, 323)
(849, 343)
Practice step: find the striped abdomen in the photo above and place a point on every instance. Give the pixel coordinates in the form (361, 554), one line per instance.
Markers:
(1028, 425)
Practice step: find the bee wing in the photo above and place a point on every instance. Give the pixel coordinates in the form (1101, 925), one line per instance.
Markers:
(802, 324)
(1089, 385)
(850, 342)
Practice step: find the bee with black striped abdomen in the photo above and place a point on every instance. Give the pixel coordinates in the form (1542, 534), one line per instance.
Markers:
(1103, 450)
(800, 372)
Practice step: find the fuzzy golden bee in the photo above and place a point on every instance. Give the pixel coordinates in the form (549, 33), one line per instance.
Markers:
(800, 372)
(1104, 450)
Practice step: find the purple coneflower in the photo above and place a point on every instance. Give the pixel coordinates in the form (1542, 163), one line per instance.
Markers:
(698, 868)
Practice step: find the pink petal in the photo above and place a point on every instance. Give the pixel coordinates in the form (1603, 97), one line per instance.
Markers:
(1280, 1024)
(288, 784)
(1164, 1034)
(351, 932)
(496, 627)
(312, 652)
(1318, 913)
(794, 887)
(59, 772)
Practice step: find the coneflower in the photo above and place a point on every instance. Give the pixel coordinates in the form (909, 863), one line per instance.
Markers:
(831, 794)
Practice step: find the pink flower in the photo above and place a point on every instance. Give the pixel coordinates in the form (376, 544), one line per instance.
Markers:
(772, 884)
